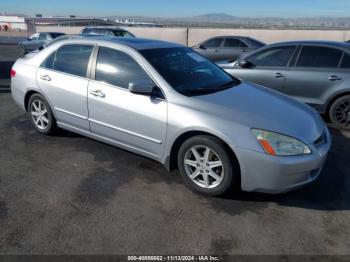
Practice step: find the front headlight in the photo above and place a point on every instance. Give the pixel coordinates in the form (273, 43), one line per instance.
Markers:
(280, 145)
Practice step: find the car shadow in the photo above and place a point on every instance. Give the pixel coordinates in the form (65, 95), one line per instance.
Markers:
(331, 191)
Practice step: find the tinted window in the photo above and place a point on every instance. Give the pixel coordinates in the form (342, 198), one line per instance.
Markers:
(256, 42)
(275, 57)
(117, 68)
(55, 35)
(346, 61)
(314, 56)
(86, 31)
(188, 72)
(71, 59)
(42, 37)
(122, 33)
(232, 42)
(216, 42)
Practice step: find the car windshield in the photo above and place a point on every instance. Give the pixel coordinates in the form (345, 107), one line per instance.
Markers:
(188, 72)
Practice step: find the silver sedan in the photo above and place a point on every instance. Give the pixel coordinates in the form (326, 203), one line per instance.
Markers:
(167, 102)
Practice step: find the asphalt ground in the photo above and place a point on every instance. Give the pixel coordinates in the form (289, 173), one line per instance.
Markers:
(68, 194)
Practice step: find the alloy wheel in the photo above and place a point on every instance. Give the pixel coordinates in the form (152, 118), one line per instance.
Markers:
(341, 113)
(39, 114)
(204, 167)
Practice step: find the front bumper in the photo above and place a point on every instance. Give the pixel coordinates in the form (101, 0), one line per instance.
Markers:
(264, 173)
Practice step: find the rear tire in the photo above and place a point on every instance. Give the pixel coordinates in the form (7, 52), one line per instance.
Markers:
(339, 112)
(206, 166)
(41, 116)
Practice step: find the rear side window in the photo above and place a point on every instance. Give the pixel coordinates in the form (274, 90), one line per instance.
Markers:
(273, 57)
(55, 35)
(232, 42)
(319, 57)
(70, 59)
(346, 61)
(117, 68)
(215, 42)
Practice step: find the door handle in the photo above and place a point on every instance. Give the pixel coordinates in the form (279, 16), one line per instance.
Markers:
(216, 51)
(334, 78)
(45, 78)
(279, 75)
(98, 93)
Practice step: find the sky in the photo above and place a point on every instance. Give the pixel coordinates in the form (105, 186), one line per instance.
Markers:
(179, 8)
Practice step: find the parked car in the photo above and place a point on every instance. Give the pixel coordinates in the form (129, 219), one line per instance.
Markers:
(37, 40)
(227, 47)
(166, 102)
(314, 72)
(109, 31)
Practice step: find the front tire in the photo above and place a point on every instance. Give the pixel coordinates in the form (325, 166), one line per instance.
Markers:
(339, 112)
(40, 115)
(206, 166)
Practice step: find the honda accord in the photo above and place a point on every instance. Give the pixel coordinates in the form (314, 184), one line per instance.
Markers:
(167, 102)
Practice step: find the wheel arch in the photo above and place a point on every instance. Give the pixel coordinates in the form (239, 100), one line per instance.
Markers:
(27, 97)
(333, 99)
(171, 160)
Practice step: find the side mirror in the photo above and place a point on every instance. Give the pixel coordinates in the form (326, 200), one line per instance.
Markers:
(141, 87)
(29, 39)
(202, 47)
(244, 63)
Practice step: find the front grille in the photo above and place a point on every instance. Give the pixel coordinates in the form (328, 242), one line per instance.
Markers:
(321, 140)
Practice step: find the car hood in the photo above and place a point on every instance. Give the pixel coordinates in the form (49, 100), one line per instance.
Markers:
(259, 107)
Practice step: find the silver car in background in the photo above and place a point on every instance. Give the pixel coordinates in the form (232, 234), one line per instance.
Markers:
(313, 72)
(38, 40)
(227, 47)
(166, 102)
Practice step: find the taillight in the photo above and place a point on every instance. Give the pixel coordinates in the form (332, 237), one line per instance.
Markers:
(12, 73)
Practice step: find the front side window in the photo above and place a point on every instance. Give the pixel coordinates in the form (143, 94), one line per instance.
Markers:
(319, 57)
(117, 68)
(70, 59)
(188, 72)
(213, 43)
(274, 57)
(346, 61)
(232, 42)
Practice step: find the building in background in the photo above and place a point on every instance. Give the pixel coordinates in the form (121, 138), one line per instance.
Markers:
(17, 23)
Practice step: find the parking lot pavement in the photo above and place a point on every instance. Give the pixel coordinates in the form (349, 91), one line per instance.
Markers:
(68, 194)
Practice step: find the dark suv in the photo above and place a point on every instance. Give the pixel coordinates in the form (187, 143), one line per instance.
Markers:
(314, 72)
(110, 31)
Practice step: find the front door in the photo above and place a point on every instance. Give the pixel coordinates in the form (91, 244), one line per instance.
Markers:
(136, 122)
(268, 68)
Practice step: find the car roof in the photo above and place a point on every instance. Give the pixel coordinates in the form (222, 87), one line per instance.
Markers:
(135, 43)
(105, 27)
(315, 42)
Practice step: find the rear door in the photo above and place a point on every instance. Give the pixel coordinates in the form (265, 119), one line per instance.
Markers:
(315, 74)
(269, 67)
(212, 49)
(137, 122)
(233, 48)
(63, 79)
